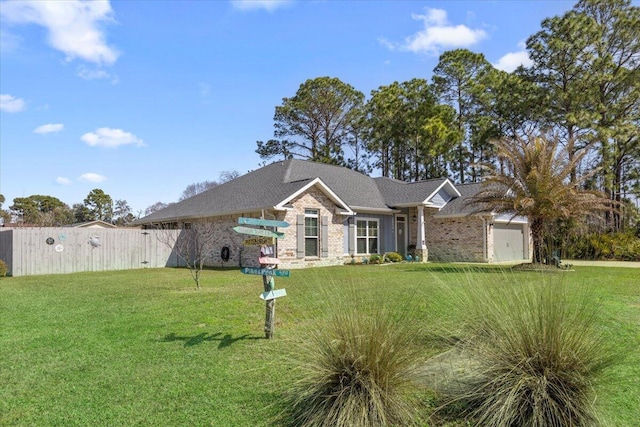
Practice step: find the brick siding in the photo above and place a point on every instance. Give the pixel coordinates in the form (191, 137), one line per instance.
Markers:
(313, 199)
(455, 239)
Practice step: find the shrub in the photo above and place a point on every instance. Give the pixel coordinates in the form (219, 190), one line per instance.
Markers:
(394, 256)
(375, 259)
(536, 353)
(356, 369)
(3, 268)
(620, 246)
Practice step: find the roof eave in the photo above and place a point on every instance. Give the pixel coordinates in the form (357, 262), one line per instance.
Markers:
(201, 216)
(365, 209)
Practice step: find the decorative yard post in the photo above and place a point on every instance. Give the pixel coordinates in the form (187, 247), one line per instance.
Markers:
(421, 247)
(268, 262)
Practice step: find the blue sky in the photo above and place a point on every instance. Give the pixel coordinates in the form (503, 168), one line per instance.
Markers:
(142, 98)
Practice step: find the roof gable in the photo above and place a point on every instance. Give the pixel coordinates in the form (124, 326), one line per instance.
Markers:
(404, 194)
(461, 205)
(324, 188)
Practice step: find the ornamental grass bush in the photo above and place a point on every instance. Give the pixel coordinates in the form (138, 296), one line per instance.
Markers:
(537, 354)
(356, 368)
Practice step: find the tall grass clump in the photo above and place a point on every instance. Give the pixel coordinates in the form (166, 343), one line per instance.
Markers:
(355, 368)
(538, 354)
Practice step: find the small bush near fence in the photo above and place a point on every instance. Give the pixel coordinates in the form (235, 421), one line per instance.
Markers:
(3, 268)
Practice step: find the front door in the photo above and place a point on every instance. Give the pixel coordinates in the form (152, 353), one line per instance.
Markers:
(401, 235)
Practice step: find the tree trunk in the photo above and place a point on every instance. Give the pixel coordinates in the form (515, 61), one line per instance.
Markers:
(537, 235)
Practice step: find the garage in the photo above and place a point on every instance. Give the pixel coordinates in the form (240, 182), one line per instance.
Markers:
(508, 242)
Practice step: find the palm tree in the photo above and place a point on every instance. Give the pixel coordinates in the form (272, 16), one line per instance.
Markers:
(533, 178)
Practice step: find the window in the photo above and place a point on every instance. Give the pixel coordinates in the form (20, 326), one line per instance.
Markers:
(367, 236)
(311, 233)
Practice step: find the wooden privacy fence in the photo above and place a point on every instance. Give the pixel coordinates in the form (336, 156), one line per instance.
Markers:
(57, 250)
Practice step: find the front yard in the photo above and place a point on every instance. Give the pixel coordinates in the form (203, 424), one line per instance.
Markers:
(145, 348)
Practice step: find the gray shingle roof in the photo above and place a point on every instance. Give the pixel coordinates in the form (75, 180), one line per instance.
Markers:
(269, 186)
(266, 187)
(400, 193)
(354, 188)
(461, 206)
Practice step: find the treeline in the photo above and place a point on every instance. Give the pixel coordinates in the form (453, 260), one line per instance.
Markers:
(48, 211)
(583, 86)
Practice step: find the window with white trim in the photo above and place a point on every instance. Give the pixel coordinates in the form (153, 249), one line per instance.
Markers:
(311, 232)
(367, 236)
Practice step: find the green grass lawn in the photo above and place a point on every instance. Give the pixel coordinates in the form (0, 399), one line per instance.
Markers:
(145, 348)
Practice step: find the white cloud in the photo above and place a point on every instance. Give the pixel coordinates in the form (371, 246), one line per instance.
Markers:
(437, 34)
(110, 138)
(512, 60)
(63, 181)
(92, 177)
(74, 26)
(268, 5)
(49, 128)
(11, 104)
(96, 74)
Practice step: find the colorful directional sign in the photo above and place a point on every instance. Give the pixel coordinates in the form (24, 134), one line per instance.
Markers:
(276, 293)
(268, 260)
(258, 241)
(265, 271)
(257, 232)
(262, 222)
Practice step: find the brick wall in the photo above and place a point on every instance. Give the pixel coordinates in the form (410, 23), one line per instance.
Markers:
(247, 256)
(312, 199)
(456, 239)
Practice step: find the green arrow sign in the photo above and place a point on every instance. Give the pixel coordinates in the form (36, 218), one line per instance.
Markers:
(265, 271)
(263, 222)
(257, 232)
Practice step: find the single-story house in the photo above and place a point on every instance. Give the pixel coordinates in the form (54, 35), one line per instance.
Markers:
(337, 214)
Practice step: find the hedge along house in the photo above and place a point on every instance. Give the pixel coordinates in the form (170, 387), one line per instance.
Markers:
(337, 214)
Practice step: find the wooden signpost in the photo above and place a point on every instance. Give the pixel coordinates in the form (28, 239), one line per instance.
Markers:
(268, 260)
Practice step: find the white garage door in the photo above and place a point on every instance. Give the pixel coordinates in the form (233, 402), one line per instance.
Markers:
(508, 242)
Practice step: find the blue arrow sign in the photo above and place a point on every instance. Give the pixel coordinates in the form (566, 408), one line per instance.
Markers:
(265, 271)
(257, 232)
(263, 222)
(276, 293)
